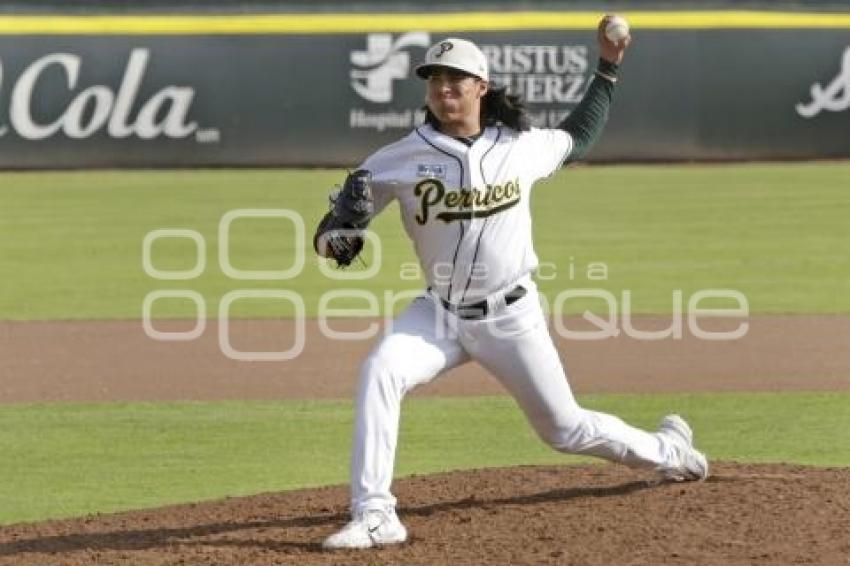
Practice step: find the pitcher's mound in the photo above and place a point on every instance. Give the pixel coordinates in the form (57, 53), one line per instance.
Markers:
(744, 514)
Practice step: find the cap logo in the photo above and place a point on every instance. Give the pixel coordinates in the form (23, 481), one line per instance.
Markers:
(444, 47)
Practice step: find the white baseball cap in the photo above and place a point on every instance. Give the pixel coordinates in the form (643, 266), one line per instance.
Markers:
(457, 54)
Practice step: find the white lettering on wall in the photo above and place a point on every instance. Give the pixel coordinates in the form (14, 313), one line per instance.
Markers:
(166, 113)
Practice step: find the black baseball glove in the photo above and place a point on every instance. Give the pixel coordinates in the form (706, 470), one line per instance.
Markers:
(340, 233)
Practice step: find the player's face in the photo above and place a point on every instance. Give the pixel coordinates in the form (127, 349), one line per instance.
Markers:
(454, 96)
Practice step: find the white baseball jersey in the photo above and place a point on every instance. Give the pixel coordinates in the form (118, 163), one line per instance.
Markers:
(467, 208)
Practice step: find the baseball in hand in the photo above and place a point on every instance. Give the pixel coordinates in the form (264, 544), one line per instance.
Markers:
(617, 29)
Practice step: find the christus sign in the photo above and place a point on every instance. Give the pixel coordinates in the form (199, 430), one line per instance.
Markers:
(98, 107)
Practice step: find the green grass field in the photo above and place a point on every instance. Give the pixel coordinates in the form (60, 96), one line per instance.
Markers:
(69, 460)
(71, 248)
(71, 243)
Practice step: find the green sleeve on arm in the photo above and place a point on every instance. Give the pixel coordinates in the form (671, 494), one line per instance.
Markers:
(587, 120)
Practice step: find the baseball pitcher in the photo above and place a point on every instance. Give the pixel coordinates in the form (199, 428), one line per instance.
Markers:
(463, 180)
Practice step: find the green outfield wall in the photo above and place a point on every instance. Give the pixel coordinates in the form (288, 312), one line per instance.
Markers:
(324, 89)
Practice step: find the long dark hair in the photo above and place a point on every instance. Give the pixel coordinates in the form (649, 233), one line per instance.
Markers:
(497, 107)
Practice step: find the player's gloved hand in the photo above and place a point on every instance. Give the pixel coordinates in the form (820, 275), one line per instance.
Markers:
(608, 50)
(340, 233)
(353, 205)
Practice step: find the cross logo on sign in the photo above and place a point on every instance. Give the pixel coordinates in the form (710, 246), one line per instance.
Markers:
(383, 61)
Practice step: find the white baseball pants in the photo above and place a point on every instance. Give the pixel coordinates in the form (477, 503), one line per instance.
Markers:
(514, 345)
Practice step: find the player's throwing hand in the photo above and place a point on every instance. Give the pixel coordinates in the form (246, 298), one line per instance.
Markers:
(610, 50)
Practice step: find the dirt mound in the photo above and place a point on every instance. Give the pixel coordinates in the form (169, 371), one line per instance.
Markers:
(765, 514)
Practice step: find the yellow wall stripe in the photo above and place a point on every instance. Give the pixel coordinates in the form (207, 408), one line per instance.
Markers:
(434, 22)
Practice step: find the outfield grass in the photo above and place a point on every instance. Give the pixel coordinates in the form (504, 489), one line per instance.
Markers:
(71, 242)
(69, 460)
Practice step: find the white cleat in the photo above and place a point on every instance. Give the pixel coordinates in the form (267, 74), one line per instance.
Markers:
(689, 463)
(368, 529)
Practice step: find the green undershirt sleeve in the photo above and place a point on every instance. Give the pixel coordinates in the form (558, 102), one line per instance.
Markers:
(587, 120)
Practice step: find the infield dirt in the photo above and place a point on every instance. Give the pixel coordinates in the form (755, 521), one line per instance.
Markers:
(115, 361)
